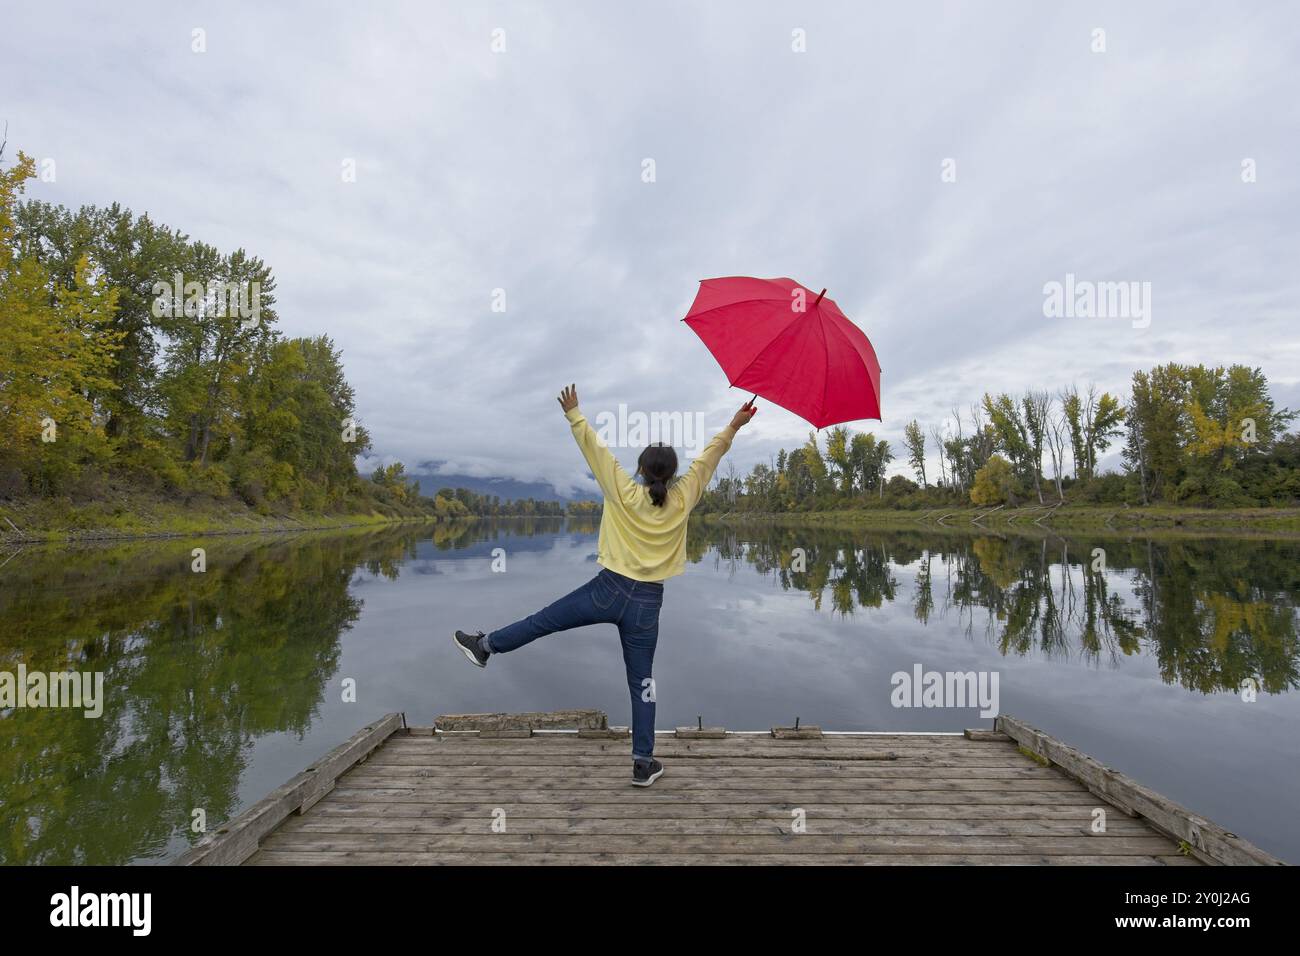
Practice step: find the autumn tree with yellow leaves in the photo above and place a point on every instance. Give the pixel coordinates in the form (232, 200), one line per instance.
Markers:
(57, 350)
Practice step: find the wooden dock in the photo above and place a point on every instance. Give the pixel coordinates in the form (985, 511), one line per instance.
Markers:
(519, 790)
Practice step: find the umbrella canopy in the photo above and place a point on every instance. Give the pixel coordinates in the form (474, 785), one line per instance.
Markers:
(790, 345)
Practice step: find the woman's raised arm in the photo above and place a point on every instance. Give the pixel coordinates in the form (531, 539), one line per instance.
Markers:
(615, 483)
(702, 468)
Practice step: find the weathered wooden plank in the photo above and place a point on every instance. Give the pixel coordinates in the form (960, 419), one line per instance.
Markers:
(701, 733)
(547, 746)
(545, 755)
(607, 733)
(711, 770)
(375, 777)
(549, 720)
(479, 858)
(986, 736)
(688, 843)
(850, 742)
(238, 839)
(1209, 839)
(572, 743)
(771, 823)
(386, 757)
(501, 796)
(761, 741)
(798, 732)
(334, 806)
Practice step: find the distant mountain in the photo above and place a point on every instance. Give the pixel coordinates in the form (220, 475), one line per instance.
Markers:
(507, 489)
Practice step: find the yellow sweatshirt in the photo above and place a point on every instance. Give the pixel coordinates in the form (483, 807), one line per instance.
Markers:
(637, 539)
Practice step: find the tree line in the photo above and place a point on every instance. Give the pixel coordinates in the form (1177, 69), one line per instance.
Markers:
(133, 356)
(461, 502)
(1192, 435)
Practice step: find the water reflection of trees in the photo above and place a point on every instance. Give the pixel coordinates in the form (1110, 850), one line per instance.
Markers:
(855, 574)
(196, 666)
(1212, 612)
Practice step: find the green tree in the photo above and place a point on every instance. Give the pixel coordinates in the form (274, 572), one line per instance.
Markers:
(880, 461)
(1012, 438)
(1094, 420)
(914, 442)
(839, 457)
(211, 348)
(1037, 408)
(862, 454)
(994, 483)
(131, 255)
(1158, 429)
(56, 353)
(293, 408)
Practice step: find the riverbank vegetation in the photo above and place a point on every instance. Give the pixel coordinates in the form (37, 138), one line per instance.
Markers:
(123, 363)
(1190, 438)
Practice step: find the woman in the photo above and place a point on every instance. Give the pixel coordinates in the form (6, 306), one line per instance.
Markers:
(642, 543)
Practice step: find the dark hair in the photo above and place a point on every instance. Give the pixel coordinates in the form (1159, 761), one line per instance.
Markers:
(657, 465)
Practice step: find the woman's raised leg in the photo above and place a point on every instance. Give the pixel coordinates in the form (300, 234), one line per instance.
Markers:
(592, 603)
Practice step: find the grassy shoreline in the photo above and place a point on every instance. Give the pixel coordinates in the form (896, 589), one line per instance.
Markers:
(1037, 519)
(141, 516)
(134, 515)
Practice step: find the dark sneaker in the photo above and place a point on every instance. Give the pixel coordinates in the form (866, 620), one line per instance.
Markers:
(468, 644)
(646, 772)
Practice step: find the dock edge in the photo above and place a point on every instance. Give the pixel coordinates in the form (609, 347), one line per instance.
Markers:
(1205, 839)
(237, 840)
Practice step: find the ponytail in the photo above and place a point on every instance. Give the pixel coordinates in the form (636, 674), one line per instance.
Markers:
(658, 493)
(657, 465)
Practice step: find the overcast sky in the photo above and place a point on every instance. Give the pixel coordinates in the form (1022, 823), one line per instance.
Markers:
(522, 169)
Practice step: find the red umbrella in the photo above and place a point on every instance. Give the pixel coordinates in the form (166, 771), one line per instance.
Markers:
(779, 340)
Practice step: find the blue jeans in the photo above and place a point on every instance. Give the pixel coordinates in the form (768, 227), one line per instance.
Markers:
(608, 598)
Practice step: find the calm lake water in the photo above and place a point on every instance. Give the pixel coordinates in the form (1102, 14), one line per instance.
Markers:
(221, 685)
